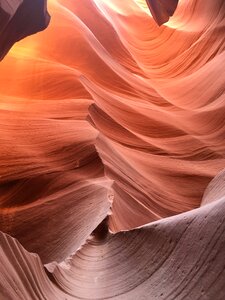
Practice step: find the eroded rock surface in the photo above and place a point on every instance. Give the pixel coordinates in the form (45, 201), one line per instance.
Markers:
(107, 118)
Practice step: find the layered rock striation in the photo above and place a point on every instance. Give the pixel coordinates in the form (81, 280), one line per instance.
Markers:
(112, 150)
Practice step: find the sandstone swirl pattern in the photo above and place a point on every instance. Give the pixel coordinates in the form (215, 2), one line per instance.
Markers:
(105, 113)
(181, 257)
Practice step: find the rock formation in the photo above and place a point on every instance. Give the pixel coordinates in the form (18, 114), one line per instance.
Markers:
(112, 150)
(20, 18)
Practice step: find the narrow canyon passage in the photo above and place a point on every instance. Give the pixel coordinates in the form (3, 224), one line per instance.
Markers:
(108, 118)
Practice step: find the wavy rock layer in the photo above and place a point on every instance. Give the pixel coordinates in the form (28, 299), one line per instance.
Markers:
(154, 95)
(106, 108)
(168, 118)
(181, 257)
(159, 115)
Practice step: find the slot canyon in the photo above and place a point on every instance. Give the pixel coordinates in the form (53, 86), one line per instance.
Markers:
(112, 149)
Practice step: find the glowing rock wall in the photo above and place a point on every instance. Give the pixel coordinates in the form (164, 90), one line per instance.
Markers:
(106, 114)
